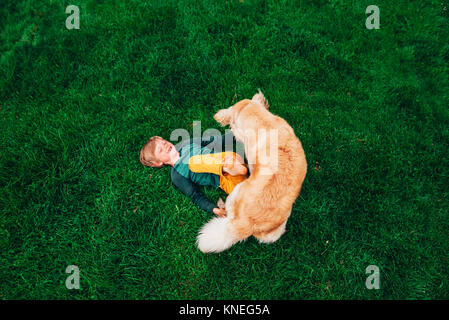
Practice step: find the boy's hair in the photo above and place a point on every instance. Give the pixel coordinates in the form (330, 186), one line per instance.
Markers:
(149, 146)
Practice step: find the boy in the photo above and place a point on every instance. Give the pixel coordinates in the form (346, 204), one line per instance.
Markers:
(198, 161)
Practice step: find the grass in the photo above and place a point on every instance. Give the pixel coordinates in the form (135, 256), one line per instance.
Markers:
(370, 107)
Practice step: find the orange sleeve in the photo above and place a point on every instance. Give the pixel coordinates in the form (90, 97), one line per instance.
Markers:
(211, 163)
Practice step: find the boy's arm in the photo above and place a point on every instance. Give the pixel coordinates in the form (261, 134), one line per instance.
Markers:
(190, 189)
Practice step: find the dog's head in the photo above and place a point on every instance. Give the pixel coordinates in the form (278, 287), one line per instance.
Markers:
(228, 116)
(252, 125)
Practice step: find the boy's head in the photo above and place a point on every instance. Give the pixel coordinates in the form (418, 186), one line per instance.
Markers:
(157, 152)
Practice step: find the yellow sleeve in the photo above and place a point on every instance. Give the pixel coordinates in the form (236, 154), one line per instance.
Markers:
(211, 163)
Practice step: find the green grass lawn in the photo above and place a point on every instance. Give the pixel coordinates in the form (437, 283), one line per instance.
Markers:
(371, 108)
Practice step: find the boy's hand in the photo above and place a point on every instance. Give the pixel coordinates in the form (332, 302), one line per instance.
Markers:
(219, 212)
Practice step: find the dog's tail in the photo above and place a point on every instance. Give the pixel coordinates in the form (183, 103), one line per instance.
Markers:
(217, 235)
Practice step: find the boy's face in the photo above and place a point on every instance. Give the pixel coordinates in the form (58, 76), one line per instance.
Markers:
(164, 151)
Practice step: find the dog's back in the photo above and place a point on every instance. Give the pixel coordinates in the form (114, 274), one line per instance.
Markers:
(260, 205)
(273, 186)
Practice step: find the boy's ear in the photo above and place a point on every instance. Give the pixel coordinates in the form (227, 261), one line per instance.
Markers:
(223, 116)
(157, 164)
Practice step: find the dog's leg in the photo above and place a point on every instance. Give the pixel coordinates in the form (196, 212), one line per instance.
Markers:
(272, 236)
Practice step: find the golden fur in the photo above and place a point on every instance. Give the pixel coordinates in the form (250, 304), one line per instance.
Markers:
(261, 205)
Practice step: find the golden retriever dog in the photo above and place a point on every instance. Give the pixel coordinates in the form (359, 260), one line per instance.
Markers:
(260, 205)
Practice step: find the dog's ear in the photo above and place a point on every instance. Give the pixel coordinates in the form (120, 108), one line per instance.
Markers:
(223, 116)
(259, 98)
